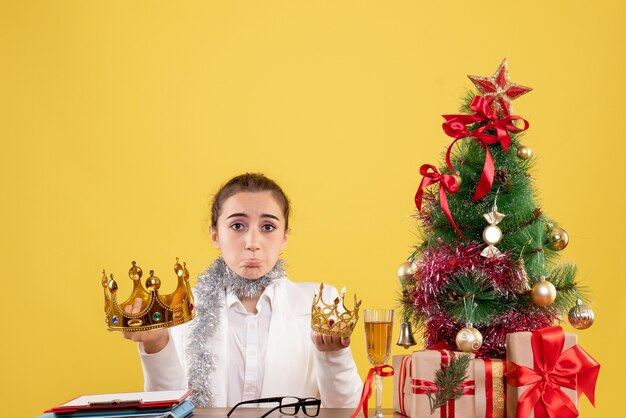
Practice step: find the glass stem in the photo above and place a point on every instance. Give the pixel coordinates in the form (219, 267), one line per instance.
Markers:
(378, 395)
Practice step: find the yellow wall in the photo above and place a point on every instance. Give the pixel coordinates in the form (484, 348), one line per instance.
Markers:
(118, 120)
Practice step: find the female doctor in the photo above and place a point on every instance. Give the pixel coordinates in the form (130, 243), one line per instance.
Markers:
(251, 336)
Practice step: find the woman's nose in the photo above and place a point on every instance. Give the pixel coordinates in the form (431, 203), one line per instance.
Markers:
(252, 242)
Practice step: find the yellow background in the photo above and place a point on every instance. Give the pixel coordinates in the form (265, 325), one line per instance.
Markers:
(118, 120)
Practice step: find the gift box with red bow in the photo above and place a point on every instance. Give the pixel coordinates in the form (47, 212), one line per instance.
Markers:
(547, 372)
(485, 391)
(425, 391)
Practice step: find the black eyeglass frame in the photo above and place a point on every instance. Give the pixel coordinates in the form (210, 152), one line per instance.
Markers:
(302, 402)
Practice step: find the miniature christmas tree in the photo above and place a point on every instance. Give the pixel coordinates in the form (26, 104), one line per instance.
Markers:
(486, 265)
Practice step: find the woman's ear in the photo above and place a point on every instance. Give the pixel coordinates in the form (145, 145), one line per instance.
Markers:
(214, 237)
(285, 239)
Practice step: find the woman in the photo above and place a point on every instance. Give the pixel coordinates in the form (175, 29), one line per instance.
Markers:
(251, 337)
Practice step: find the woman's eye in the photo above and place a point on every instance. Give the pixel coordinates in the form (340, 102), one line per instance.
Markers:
(237, 226)
(268, 227)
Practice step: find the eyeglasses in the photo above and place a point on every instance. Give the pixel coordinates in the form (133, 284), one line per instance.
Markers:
(288, 405)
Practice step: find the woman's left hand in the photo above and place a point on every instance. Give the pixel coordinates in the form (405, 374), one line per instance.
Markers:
(325, 342)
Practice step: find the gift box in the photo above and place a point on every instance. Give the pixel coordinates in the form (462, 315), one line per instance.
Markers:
(547, 372)
(490, 383)
(402, 389)
(423, 387)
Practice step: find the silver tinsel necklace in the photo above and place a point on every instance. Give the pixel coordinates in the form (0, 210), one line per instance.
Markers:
(210, 296)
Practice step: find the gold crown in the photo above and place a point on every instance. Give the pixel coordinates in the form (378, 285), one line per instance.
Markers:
(157, 311)
(333, 319)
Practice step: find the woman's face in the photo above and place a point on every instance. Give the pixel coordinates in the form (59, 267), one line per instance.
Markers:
(250, 233)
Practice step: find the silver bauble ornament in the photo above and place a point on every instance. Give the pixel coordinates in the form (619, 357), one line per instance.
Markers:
(580, 316)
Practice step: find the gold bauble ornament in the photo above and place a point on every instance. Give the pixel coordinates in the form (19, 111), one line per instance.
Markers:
(580, 316)
(469, 339)
(543, 293)
(524, 152)
(458, 179)
(558, 239)
(407, 269)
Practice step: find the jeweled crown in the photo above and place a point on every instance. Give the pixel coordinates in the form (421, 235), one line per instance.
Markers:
(333, 318)
(157, 311)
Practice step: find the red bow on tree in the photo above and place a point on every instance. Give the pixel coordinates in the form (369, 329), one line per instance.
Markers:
(553, 369)
(447, 183)
(455, 126)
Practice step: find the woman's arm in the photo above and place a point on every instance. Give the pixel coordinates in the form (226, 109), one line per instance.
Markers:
(163, 370)
(338, 379)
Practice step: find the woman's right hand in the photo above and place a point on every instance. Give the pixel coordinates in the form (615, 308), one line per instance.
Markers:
(154, 340)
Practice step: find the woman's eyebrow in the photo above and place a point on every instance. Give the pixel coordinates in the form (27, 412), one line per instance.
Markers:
(244, 215)
(236, 215)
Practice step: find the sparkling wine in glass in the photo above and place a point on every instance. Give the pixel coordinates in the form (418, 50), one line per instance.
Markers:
(378, 330)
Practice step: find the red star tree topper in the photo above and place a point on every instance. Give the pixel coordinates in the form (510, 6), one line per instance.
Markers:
(499, 90)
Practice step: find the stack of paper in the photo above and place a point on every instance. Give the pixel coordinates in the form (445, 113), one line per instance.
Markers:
(162, 404)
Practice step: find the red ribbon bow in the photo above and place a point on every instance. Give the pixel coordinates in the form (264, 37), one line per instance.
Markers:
(553, 369)
(447, 184)
(455, 126)
(382, 371)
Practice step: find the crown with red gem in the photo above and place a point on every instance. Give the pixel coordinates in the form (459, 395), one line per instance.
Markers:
(334, 318)
(157, 311)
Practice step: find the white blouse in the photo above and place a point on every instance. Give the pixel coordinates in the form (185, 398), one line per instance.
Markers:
(247, 347)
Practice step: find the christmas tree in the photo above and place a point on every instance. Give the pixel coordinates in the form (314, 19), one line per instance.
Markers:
(486, 264)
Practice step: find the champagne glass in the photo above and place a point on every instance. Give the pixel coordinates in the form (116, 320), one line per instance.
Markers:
(378, 330)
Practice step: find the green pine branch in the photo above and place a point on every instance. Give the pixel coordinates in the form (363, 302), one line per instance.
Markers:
(472, 287)
(563, 277)
(448, 381)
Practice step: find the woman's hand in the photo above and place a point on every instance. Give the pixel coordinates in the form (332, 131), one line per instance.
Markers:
(325, 342)
(154, 340)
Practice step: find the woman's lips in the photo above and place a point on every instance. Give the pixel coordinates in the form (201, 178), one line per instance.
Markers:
(252, 262)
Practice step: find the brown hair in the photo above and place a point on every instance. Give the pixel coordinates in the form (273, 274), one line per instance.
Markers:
(249, 182)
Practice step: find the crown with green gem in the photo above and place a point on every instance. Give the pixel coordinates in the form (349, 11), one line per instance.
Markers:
(157, 311)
